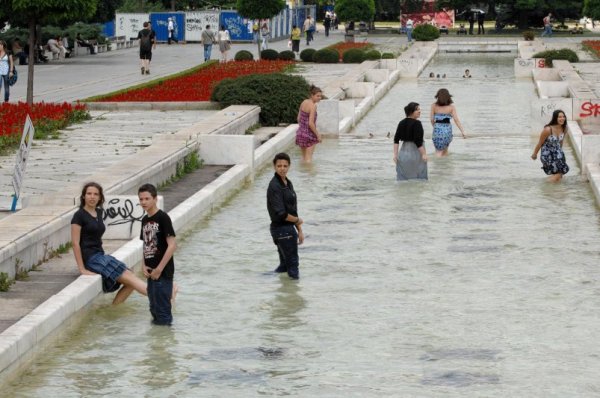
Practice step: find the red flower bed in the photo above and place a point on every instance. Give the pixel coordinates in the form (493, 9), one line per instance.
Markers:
(13, 115)
(593, 45)
(198, 85)
(343, 47)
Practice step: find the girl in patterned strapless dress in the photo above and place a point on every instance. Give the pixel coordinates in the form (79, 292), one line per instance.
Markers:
(550, 143)
(307, 135)
(442, 113)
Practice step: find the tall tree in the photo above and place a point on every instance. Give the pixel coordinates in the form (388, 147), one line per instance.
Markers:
(355, 10)
(591, 8)
(259, 9)
(30, 13)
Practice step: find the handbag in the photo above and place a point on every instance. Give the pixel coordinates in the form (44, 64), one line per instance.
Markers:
(13, 79)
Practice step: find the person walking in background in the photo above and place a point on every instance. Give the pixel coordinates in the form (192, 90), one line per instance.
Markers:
(550, 143)
(224, 43)
(309, 28)
(87, 228)
(6, 69)
(442, 113)
(286, 226)
(171, 30)
(147, 42)
(547, 25)
(480, 22)
(307, 136)
(264, 34)
(208, 39)
(295, 38)
(327, 23)
(158, 265)
(411, 159)
(409, 29)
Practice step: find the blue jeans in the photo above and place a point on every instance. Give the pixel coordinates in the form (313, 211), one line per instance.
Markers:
(409, 34)
(159, 294)
(286, 239)
(4, 79)
(547, 30)
(207, 51)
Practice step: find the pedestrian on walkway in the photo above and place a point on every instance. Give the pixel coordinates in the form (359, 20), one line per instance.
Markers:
(307, 135)
(147, 42)
(480, 22)
(286, 226)
(409, 29)
(471, 19)
(309, 28)
(224, 43)
(295, 38)
(265, 33)
(547, 25)
(7, 66)
(87, 228)
(158, 266)
(208, 39)
(327, 23)
(171, 29)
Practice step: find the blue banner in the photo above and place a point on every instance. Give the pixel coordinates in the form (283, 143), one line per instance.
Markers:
(236, 25)
(160, 21)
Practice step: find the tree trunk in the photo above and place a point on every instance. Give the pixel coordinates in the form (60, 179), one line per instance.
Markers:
(172, 5)
(258, 38)
(30, 66)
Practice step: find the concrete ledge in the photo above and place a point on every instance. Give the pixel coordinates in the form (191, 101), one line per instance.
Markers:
(593, 176)
(152, 106)
(264, 154)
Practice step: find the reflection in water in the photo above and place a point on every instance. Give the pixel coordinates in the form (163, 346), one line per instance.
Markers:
(158, 368)
(285, 306)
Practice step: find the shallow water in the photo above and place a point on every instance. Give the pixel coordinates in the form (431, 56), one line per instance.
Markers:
(472, 284)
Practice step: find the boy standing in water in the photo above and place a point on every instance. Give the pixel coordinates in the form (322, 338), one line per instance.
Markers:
(159, 245)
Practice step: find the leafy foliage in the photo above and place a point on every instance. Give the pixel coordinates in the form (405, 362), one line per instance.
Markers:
(278, 95)
(355, 10)
(307, 54)
(269, 54)
(563, 53)
(326, 56)
(137, 6)
(354, 56)
(426, 32)
(243, 55)
(591, 8)
(387, 56)
(287, 55)
(373, 55)
(259, 9)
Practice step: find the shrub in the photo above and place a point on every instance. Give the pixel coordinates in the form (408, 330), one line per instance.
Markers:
(269, 54)
(354, 56)
(287, 55)
(528, 35)
(373, 55)
(387, 56)
(277, 94)
(243, 55)
(426, 32)
(307, 54)
(563, 53)
(326, 56)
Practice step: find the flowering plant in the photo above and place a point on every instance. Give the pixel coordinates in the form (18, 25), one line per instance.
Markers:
(593, 46)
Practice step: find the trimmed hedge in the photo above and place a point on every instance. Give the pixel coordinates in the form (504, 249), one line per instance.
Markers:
(387, 56)
(373, 55)
(354, 56)
(307, 54)
(425, 32)
(243, 55)
(326, 56)
(563, 53)
(277, 94)
(287, 55)
(269, 54)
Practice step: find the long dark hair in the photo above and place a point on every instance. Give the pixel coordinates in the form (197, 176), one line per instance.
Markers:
(84, 190)
(443, 97)
(554, 120)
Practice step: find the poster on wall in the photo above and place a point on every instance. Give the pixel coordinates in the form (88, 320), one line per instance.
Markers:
(129, 25)
(196, 21)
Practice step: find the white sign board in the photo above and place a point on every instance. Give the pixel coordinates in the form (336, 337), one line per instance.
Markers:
(22, 155)
(196, 21)
(129, 25)
(123, 216)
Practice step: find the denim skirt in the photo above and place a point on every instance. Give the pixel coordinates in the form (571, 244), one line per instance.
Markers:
(109, 268)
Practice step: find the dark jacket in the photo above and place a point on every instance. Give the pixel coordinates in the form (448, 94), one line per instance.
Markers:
(281, 201)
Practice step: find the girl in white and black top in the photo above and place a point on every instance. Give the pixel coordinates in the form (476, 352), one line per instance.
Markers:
(224, 42)
(6, 68)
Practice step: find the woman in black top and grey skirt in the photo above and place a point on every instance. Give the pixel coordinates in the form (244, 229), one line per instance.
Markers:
(411, 160)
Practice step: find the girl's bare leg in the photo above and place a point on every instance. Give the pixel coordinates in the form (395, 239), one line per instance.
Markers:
(131, 283)
(122, 295)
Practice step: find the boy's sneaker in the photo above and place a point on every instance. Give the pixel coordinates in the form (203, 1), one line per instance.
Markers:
(147, 71)
(142, 70)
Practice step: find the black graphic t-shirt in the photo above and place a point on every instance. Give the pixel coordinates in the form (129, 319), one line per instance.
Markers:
(155, 231)
(92, 230)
